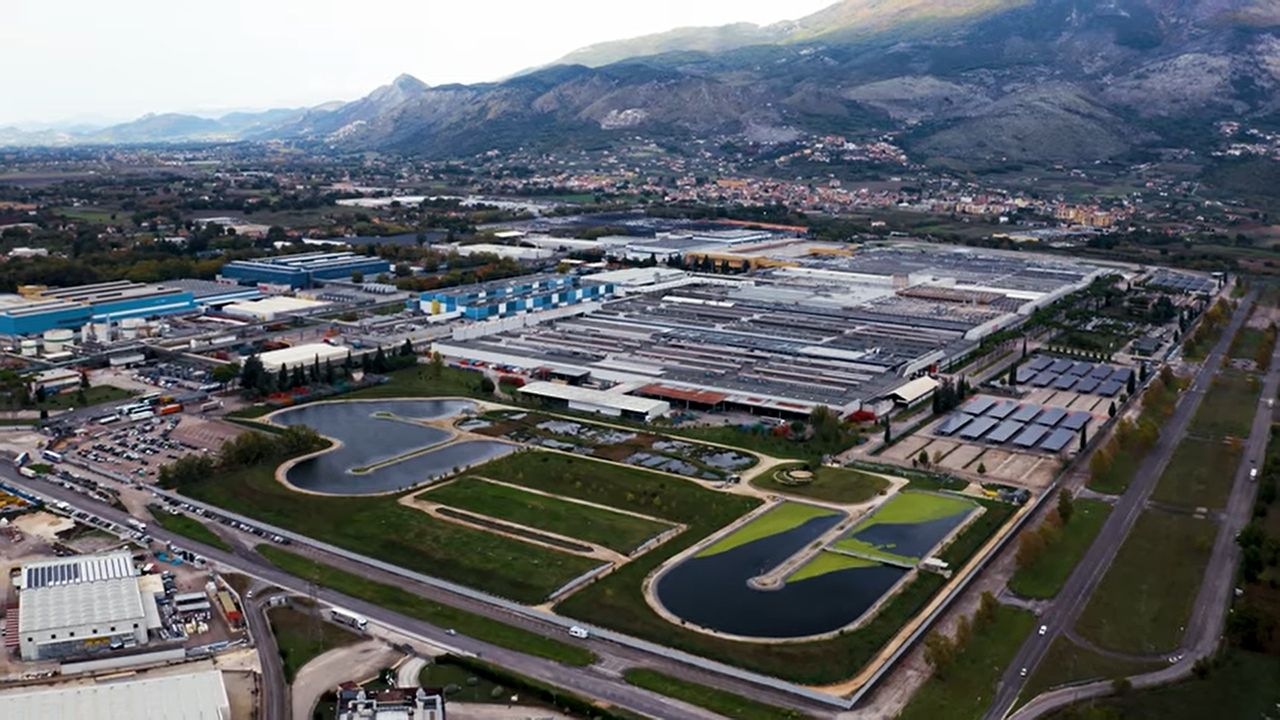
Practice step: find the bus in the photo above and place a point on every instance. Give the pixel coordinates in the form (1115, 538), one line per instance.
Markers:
(345, 617)
(108, 419)
(141, 414)
(133, 408)
(51, 456)
(149, 398)
(22, 459)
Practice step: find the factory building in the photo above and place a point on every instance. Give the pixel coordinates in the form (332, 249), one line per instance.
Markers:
(305, 355)
(505, 298)
(304, 270)
(357, 703)
(600, 402)
(272, 308)
(192, 696)
(81, 605)
(39, 310)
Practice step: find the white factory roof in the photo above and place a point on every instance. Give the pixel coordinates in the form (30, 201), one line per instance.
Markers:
(272, 306)
(98, 604)
(194, 696)
(69, 571)
(303, 354)
(635, 277)
(573, 393)
(915, 389)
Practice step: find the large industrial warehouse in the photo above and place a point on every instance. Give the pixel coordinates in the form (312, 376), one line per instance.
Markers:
(303, 270)
(41, 309)
(841, 331)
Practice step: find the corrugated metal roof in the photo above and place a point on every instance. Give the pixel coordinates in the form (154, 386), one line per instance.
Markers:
(195, 696)
(86, 568)
(68, 606)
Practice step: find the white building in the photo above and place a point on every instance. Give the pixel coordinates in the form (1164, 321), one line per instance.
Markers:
(602, 402)
(272, 308)
(194, 696)
(305, 355)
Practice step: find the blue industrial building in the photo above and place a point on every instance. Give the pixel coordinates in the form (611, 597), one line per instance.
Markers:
(303, 270)
(74, 307)
(504, 298)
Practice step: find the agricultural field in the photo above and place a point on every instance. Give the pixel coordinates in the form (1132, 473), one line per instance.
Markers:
(831, 484)
(1147, 595)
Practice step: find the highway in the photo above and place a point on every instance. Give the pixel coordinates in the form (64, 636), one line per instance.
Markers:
(601, 681)
(1063, 611)
(1209, 616)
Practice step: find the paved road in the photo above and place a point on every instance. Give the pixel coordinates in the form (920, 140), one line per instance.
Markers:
(1066, 608)
(601, 681)
(274, 700)
(1208, 617)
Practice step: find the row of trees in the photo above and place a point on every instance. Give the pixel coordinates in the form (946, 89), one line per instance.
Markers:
(256, 379)
(1034, 543)
(242, 451)
(941, 651)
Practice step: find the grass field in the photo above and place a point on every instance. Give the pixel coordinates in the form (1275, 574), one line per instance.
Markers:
(1248, 344)
(966, 687)
(297, 642)
(717, 701)
(828, 562)
(418, 381)
(616, 531)
(96, 395)
(1228, 408)
(1068, 663)
(1146, 597)
(406, 603)
(832, 484)
(189, 527)
(910, 507)
(1199, 474)
(765, 442)
(1044, 577)
(785, 516)
(381, 528)
(1246, 685)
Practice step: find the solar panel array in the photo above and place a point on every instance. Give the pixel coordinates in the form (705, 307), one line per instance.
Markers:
(70, 571)
(1181, 282)
(1074, 375)
(1026, 425)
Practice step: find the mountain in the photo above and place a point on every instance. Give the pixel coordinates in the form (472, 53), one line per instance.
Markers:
(981, 83)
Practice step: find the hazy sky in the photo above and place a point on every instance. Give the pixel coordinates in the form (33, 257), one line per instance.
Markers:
(116, 59)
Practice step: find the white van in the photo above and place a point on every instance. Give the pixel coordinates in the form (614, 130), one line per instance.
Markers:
(579, 632)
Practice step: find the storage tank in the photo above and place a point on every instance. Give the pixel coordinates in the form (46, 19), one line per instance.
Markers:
(30, 348)
(130, 328)
(57, 340)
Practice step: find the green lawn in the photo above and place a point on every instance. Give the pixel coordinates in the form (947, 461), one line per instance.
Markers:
(759, 438)
(95, 395)
(966, 687)
(1246, 685)
(1228, 408)
(301, 638)
(381, 528)
(1068, 663)
(1146, 597)
(406, 603)
(418, 381)
(1248, 344)
(1118, 476)
(461, 685)
(1044, 577)
(783, 517)
(717, 701)
(1199, 474)
(616, 531)
(189, 527)
(828, 562)
(833, 484)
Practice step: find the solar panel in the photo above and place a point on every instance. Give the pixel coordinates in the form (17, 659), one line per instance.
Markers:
(1057, 440)
(1066, 382)
(1061, 366)
(1051, 417)
(1026, 413)
(1044, 378)
(1087, 385)
(1101, 371)
(1076, 420)
(1040, 362)
(1110, 388)
(1031, 436)
(1122, 375)
(954, 423)
(1081, 368)
(1026, 374)
(979, 405)
(1006, 430)
(978, 428)
(1002, 409)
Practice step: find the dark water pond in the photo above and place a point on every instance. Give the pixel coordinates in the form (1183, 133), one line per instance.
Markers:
(369, 440)
(713, 592)
(914, 540)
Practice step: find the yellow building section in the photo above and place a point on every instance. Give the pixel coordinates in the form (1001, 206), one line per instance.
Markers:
(32, 291)
(749, 262)
(833, 251)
